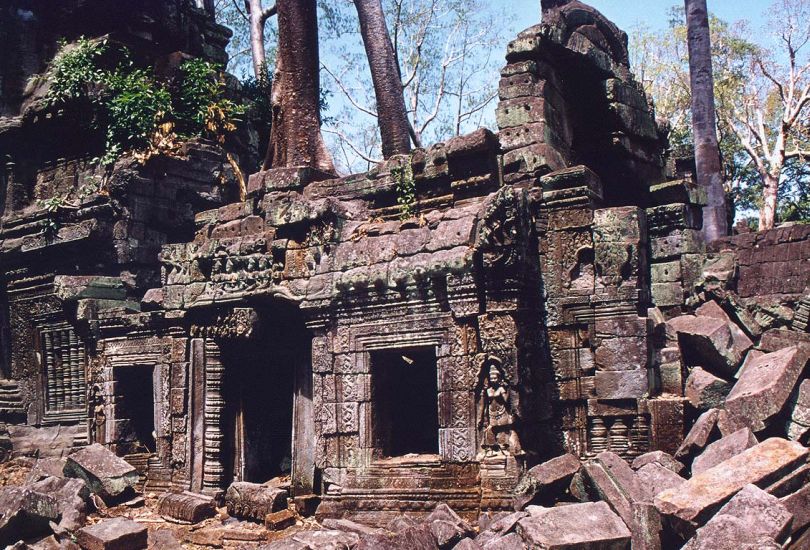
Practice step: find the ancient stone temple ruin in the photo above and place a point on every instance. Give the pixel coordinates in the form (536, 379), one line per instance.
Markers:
(386, 357)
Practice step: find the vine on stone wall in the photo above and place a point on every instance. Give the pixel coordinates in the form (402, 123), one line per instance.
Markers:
(405, 187)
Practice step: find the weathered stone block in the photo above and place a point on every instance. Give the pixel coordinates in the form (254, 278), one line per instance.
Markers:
(621, 384)
(104, 473)
(621, 354)
(666, 272)
(610, 479)
(704, 390)
(277, 521)
(620, 224)
(704, 428)
(667, 294)
(695, 501)
(24, 512)
(723, 449)
(658, 457)
(764, 388)
(547, 480)
(798, 504)
(113, 534)
(685, 241)
(254, 501)
(707, 342)
(534, 158)
(752, 519)
(575, 527)
(657, 478)
(711, 309)
(186, 506)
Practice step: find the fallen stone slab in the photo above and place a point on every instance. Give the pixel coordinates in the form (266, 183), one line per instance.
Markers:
(723, 449)
(544, 483)
(186, 507)
(647, 527)
(756, 517)
(467, 544)
(713, 310)
(610, 479)
(500, 527)
(164, 539)
(658, 457)
(798, 427)
(71, 496)
(798, 504)
(47, 467)
(704, 390)
(512, 541)
(113, 534)
(708, 342)
(691, 504)
(25, 513)
(408, 538)
(447, 527)
(656, 478)
(105, 474)
(350, 526)
(574, 527)
(764, 388)
(702, 432)
(278, 521)
(724, 534)
(253, 500)
(764, 513)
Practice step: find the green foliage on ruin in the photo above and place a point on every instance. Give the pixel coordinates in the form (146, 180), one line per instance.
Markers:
(137, 111)
(405, 187)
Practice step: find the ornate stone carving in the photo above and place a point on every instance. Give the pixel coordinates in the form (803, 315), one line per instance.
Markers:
(501, 228)
(214, 404)
(496, 416)
(239, 323)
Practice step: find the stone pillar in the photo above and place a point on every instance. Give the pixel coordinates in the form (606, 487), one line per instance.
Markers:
(214, 404)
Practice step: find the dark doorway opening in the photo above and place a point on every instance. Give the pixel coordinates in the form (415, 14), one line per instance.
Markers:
(258, 388)
(405, 401)
(135, 409)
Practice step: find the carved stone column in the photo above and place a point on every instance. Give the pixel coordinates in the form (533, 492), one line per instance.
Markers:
(214, 404)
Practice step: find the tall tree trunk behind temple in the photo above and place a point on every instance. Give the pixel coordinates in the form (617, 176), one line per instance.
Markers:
(391, 114)
(257, 52)
(770, 196)
(707, 151)
(295, 135)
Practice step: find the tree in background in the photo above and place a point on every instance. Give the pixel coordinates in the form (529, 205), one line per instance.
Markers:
(257, 17)
(235, 15)
(770, 116)
(744, 95)
(295, 134)
(391, 114)
(449, 76)
(704, 123)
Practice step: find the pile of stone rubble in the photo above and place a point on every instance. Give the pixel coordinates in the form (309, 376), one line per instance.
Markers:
(738, 480)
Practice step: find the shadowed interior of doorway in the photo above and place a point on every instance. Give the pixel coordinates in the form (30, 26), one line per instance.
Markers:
(258, 390)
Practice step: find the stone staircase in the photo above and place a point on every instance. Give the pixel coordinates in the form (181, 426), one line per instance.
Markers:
(10, 399)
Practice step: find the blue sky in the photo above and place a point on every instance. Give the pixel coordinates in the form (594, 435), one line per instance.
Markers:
(653, 13)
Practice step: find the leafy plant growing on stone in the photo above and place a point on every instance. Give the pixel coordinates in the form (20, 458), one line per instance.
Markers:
(138, 112)
(405, 188)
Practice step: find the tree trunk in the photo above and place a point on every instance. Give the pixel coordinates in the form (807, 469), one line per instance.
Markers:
(295, 135)
(391, 114)
(257, 51)
(704, 126)
(770, 195)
